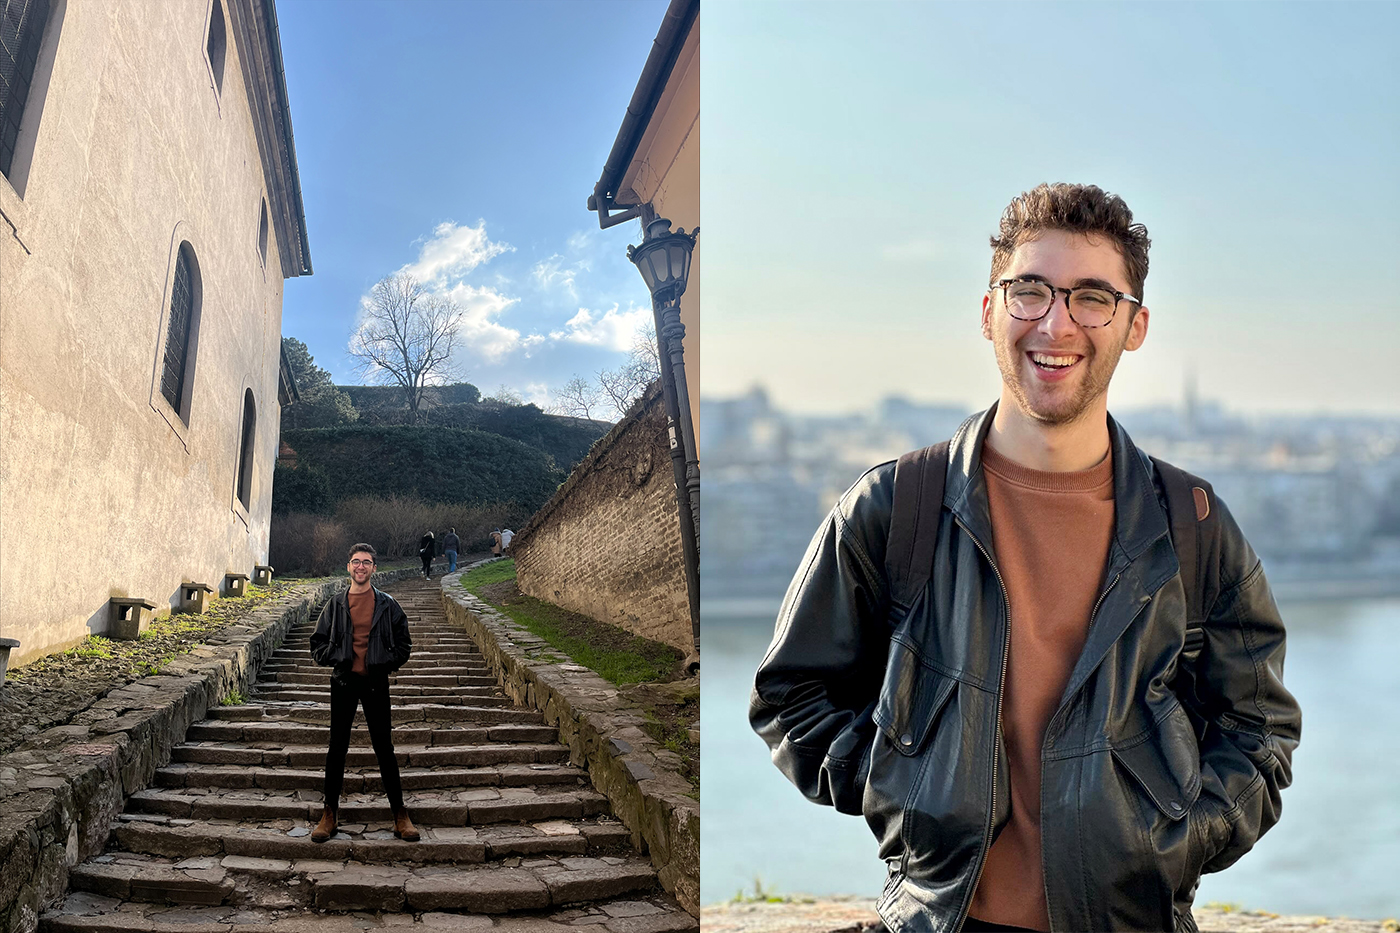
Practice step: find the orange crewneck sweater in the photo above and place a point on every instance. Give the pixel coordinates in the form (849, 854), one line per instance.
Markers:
(1051, 533)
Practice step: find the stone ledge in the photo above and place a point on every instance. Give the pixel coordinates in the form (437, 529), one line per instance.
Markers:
(604, 733)
(855, 915)
(61, 790)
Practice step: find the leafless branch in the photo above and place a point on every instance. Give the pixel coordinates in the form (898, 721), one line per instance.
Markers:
(407, 338)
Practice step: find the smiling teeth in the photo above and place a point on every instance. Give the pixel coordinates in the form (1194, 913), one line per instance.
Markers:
(1047, 360)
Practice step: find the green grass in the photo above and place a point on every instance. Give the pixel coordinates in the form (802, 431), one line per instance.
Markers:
(616, 655)
(496, 572)
(233, 699)
(764, 895)
(94, 646)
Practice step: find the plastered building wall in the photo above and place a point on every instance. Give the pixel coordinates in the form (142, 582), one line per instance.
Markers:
(136, 150)
(608, 544)
(665, 172)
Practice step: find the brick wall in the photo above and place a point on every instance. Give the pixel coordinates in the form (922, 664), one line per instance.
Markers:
(608, 544)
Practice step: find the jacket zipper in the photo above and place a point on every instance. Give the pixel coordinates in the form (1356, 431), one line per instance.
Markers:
(996, 746)
(1093, 614)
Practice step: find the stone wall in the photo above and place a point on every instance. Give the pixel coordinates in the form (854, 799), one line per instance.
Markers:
(641, 779)
(61, 791)
(608, 543)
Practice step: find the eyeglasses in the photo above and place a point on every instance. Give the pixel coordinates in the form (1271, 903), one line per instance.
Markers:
(362, 563)
(1089, 306)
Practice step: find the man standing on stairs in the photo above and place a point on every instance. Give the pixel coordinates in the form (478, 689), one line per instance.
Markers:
(362, 634)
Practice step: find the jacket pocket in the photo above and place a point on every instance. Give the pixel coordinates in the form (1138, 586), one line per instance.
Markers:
(913, 694)
(1165, 761)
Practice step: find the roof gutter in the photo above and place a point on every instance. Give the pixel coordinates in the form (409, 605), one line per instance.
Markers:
(665, 49)
(275, 35)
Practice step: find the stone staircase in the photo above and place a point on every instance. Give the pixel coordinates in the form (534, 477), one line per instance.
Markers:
(514, 837)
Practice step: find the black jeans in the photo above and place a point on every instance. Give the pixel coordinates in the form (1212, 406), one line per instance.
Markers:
(372, 692)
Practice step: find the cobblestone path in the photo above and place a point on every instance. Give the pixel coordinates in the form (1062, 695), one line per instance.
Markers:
(511, 830)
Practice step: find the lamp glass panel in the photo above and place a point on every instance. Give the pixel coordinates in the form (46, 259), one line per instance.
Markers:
(643, 261)
(656, 261)
(663, 267)
(680, 258)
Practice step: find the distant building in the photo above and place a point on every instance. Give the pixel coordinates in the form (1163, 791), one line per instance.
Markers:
(151, 210)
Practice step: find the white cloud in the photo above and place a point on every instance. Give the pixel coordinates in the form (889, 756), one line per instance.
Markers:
(612, 330)
(554, 273)
(482, 334)
(452, 252)
(538, 393)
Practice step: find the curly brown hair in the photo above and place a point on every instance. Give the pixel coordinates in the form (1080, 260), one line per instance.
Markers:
(1078, 208)
(366, 548)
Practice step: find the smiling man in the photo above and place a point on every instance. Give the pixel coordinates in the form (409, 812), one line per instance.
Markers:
(362, 634)
(1045, 667)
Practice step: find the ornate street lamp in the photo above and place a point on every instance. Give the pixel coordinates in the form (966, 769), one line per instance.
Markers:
(663, 259)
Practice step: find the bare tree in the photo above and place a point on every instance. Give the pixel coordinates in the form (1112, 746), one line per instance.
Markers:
(407, 338)
(578, 398)
(506, 396)
(624, 385)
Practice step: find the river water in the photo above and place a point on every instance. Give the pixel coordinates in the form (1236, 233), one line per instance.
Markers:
(1336, 850)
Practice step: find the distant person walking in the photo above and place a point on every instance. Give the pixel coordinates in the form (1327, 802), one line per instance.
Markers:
(425, 551)
(505, 540)
(362, 634)
(451, 545)
(496, 543)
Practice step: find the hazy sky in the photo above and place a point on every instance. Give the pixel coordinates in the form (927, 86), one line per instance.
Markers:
(461, 140)
(857, 157)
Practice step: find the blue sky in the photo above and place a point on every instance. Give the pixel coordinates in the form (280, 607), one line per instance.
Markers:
(460, 141)
(857, 157)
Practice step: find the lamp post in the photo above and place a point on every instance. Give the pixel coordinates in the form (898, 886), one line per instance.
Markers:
(663, 259)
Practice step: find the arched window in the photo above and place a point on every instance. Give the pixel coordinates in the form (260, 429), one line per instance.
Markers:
(21, 30)
(216, 45)
(262, 233)
(179, 335)
(245, 449)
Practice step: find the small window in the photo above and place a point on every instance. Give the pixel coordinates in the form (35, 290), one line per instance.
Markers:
(245, 449)
(216, 46)
(179, 335)
(262, 234)
(21, 30)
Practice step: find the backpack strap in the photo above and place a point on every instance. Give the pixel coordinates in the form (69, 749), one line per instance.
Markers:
(918, 502)
(1195, 531)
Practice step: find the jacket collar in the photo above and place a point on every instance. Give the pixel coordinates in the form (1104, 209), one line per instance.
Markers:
(1139, 518)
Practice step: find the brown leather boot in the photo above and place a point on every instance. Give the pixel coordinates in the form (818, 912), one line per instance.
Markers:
(326, 828)
(404, 828)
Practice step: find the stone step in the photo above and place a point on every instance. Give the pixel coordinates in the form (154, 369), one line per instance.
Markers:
(273, 909)
(474, 807)
(302, 659)
(235, 753)
(470, 696)
(431, 645)
(457, 845)
(310, 756)
(323, 677)
(480, 763)
(412, 722)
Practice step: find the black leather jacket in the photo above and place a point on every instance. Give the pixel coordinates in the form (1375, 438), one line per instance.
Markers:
(389, 641)
(893, 712)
